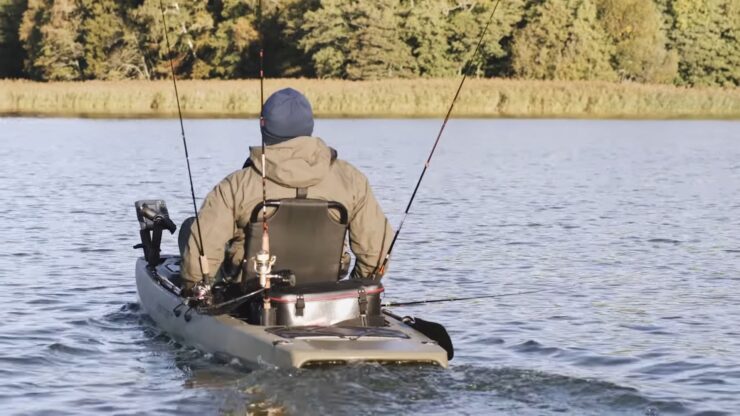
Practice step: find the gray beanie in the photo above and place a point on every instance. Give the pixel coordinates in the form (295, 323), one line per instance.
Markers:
(286, 114)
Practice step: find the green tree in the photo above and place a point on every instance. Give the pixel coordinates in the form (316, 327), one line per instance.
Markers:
(226, 52)
(467, 20)
(427, 30)
(635, 27)
(327, 38)
(563, 39)
(357, 40)
(378, 50)
(49, 33)
(111, 50)
(283, 32)
(11, 50)
(706, 34)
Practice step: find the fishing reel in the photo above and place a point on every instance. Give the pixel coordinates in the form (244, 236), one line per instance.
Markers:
(263, 263)
(278, 278)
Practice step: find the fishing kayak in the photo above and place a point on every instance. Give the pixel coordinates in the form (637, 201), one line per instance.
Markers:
(278, 346)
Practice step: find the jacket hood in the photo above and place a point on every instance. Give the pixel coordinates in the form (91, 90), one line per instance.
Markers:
(297, 163)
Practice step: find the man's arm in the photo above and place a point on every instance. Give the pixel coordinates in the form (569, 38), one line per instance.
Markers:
(218, 225)
(370, 234)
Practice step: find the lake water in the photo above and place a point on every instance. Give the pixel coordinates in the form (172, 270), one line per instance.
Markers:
(630, 229)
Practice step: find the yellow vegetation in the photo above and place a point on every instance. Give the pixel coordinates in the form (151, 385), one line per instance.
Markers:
(385, 98)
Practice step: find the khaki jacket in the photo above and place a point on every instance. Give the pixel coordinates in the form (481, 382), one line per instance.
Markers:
(303, 162)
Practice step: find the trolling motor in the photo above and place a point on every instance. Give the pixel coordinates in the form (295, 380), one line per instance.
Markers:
(153, 219)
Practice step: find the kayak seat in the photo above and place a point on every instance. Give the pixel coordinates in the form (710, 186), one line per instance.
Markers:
(304, 238)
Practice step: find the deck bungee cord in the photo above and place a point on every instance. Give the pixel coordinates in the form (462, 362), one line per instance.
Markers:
(381, 270)
(201, 291)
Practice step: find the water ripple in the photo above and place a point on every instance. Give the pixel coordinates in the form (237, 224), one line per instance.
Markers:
(626, 227)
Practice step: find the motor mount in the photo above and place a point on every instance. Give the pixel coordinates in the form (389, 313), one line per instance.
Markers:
(153, 219)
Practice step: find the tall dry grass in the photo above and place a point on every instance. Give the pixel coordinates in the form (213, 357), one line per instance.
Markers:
(387, 98)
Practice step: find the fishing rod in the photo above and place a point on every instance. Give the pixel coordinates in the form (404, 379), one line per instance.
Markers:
(423, 302)
(379, 271)
(263, 261)
(202, 260)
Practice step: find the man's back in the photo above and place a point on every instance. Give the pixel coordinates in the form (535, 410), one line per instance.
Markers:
(302, 165)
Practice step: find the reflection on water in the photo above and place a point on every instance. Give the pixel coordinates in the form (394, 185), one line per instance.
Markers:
(628, 228)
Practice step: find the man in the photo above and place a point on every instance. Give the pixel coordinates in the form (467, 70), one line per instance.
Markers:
(295, 160)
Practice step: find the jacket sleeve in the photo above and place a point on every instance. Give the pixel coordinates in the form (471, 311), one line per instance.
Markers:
(370, 233)
(218, 225)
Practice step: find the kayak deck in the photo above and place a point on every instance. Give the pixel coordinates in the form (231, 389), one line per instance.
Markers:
(284, 347)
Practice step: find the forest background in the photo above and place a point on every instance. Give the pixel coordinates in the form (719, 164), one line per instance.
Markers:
(601, 54)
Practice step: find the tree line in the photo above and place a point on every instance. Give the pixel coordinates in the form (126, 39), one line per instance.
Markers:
(685, 42)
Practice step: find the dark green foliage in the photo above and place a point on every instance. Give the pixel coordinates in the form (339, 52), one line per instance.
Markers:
(429, 40)
(357, 39)
(377, 50)
(49, 33)
(467, 20)
(283, 32)
(111, 50)
(688, 42)
(706, 34)
(327, 38)
(223, 53)
(11, 50)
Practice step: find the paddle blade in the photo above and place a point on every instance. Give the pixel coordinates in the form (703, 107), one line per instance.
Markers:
(435, 332)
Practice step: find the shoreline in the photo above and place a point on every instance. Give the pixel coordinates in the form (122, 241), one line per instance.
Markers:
(396, 98)
(205, 116)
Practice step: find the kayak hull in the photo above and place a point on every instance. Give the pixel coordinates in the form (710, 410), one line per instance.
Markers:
(282, 347)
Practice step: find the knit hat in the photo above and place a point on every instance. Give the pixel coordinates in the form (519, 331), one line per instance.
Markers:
(286, 114)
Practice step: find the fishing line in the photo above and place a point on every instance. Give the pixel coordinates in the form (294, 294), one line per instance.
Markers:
(381, 270)
(422, 302)
(202, 261)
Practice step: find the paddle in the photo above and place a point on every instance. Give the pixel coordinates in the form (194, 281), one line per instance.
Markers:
(432, 330)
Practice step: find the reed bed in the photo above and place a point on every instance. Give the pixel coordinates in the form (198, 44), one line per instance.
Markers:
(386, 98)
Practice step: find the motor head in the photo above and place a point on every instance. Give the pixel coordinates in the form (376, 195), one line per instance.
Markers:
(159, 219)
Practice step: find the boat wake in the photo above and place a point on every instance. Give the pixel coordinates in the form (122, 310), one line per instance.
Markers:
(374, 388)
(368, 388)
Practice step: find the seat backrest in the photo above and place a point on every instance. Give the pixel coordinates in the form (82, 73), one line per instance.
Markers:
(303, 236)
